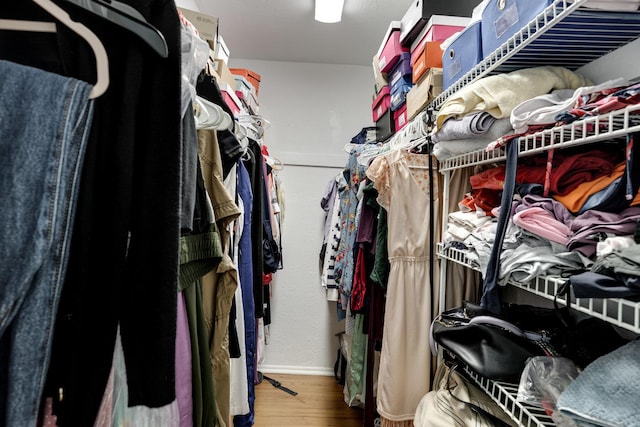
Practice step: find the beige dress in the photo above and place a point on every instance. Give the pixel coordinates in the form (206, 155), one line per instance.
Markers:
(402, 181)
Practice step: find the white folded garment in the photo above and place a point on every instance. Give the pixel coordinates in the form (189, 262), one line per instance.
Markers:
(542, 109)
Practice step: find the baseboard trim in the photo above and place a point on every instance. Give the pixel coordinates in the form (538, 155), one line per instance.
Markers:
(295, 370)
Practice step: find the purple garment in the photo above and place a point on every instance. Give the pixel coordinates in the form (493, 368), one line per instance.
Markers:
(183, 365)
(592, 223)
(368, 222)
(559, 211)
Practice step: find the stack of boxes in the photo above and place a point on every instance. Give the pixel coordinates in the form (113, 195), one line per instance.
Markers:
(408, 73)
(427, 60)
(411, 66)
(247, 87)
(239, 86)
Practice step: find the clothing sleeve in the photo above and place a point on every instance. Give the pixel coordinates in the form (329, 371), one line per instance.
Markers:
(378, 172)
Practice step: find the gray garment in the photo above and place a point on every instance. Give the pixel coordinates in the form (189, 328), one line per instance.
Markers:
(625, 261)
(188, 172)
(445, 149)
(470, 126)
(606, 392)
(535, 257)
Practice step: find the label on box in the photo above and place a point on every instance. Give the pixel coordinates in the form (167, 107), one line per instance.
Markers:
(402, 119)
(506, 20)
(453, 68)
(383, 62)
(418, 68)
(206, 25)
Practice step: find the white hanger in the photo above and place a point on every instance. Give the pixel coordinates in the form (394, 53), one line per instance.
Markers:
(102, 61)
(211, 116)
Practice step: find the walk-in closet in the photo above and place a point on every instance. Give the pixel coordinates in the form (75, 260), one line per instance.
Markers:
(319, 213)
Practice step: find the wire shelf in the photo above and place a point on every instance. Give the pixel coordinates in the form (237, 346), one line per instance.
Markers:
(604, 127)
(557, 36)
(619, 312)
(505, 395)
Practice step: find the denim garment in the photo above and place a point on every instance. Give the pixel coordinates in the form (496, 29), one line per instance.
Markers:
(44, 123)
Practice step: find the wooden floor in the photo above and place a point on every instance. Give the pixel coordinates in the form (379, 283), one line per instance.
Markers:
(319, 403)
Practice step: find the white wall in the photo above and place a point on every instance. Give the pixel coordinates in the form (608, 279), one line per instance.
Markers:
(314, 110)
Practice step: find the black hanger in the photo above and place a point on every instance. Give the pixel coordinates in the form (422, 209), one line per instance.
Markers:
(126, 17)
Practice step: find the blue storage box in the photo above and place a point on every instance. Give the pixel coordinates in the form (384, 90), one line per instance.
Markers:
(501, 19)
(464, 53)
(399, 96)
(401, 71)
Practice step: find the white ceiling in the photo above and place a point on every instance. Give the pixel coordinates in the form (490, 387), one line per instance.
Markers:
(284, 30)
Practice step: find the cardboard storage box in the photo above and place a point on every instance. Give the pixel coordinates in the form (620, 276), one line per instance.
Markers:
(380, 77)
(223, 71)
(249, 103)
(391, 53)
(243, 85)
(399, 96)
(401, 71)
(251, 76)
(222, 51)
(439, 28)
(385, 126)
(501, 19)
(206, 25)
(423, 92)
(430, 56)
(464, 53)
(230, 97)
(420, 11)
(381, 103)
(400, 117)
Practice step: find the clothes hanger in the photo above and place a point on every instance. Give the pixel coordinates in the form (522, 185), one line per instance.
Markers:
(211, 116)
(128, 18)
(102, 61)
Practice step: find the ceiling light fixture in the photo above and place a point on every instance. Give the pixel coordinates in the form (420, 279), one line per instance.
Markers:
(329, 11)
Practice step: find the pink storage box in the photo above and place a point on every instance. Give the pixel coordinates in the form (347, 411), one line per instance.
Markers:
(230, 98)
(391, 52)
(381, 104)
(400, 117)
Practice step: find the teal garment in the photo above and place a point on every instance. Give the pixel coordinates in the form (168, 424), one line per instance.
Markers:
(357, 367)
(381, 266)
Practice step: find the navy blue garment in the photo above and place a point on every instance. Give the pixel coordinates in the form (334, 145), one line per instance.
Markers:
(490, 297)
(245, 271)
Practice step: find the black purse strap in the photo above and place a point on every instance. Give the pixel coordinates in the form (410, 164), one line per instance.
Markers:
(490, 296)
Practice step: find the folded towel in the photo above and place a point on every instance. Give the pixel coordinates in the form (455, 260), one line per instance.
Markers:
(444, 150)
(500, 93)
(469, 126)
(606, 392)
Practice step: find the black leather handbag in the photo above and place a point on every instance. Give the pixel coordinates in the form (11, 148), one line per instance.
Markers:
(491, 347)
